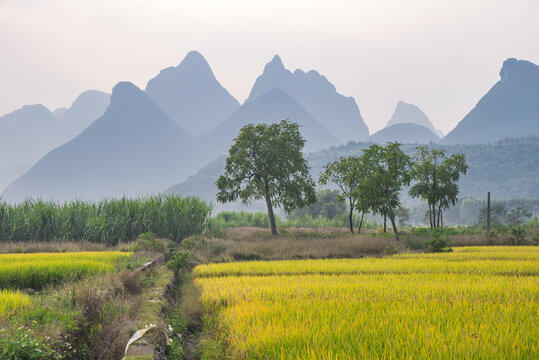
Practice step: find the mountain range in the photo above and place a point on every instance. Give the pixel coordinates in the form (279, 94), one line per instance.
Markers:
(191, 95)
(337, 113)
(147, 140)
(133, 149)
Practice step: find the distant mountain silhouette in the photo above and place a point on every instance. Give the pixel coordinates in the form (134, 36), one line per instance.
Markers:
(133, 149)
(337, 113)
(405, 133)
(27, 134)
(191, 95)
(86, 108)
(409, 113)
(272, 107)
(58, 113)
(509, 109)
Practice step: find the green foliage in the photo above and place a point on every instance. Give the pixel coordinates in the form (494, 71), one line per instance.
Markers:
(266, 161)
(347, 173)
(109, 221)
(403, 215)
(517, 216)
(437, 243)
(178, 262)
(228, 219)
(387, 170)
(150, 242)
(231, 219)
(22, 346)
(437, 178)
(174, 350)
(518, 234)
(328, 205)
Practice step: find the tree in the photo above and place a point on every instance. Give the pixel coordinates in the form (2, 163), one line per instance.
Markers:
(328, 204)
(498, 213)
(387, 170)
(437, 179)
(344, 174)
(517, 215)
(266, 161)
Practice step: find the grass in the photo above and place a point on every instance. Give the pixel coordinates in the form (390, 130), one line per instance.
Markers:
(12, 302)
(292, 243)
(234, 219)
(475, 303)
(41, 269)
(107, 222)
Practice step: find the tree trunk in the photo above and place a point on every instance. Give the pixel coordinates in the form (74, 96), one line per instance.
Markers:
(385, 223)
(270, 213)
(439, 215)
(350, 216)
(360, 222)
(442, 218)
(430, 216)
(392, 216)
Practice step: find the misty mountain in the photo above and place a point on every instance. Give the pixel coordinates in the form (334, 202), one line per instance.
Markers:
(191, 95)
(509, 109)
(337, 113)
(508, 169)
(409, 113)
(86, 108)
(133, 149)
(271, 107)
(58, 113)
(405, 133)
(27, 134)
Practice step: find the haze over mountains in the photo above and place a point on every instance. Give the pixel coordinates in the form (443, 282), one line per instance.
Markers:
(509, 109)
(338, 113)
(408, 125)
(410, 113)
(191, 95)
(133, 149)
(139, 146)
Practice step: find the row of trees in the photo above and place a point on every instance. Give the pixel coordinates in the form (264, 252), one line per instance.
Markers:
(266, 161)
(372, 182)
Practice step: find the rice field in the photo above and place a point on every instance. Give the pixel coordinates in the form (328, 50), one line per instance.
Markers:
(474, 303)
(12, 302)
(18, 271)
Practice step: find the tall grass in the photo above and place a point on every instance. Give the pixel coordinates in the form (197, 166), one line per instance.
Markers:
(108, 221)
(232, 219)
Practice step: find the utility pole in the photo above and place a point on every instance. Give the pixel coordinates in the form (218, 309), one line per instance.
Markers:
(488, 212)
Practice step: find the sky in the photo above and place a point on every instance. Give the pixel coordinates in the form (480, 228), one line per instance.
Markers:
(442, 56)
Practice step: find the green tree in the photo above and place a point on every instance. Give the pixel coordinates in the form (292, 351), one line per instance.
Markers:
(266, 161)
(344, 173)
(387, 170)
(328, 204)
(437, 179)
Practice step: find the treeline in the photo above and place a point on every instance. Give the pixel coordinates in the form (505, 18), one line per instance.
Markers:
(108, 221)
(507, 168)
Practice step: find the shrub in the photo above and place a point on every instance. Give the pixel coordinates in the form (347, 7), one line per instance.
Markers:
(22, 346)
(437, 243)
(178, 261)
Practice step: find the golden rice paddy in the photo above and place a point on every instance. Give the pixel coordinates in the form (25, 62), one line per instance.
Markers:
(474, 303)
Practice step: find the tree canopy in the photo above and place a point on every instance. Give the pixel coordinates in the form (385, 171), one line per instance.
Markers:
(266, 161)
(437, 179)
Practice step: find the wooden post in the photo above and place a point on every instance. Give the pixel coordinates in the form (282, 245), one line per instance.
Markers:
(488, 212)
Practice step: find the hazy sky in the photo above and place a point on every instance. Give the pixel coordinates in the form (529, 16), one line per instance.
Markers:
(440, 55)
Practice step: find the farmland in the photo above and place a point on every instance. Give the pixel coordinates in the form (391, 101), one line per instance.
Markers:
(477, 303)
(39, 270)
